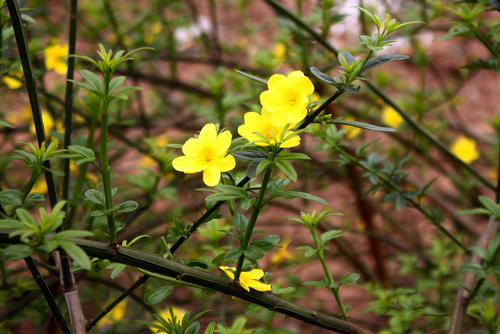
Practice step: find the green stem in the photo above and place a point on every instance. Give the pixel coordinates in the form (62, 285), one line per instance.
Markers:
(29, 186)
(105, 169)
(253, 219)
(396, 188)
(169, 279)
(331, 282)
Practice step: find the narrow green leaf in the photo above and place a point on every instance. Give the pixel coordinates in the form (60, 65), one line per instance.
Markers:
(299, 194)
(159, 294)
(15, 252)
(382, 59)
(76, 253)
(321, 76)
(286, 167)
(127, 206)
(251, 76)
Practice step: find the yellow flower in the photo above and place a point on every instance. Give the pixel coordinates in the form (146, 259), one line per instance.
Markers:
(391, 117)
(206, 154)
(287, 97)
(279, 51)
(281, 254)
(48, 123)
(18, 118)
(248, 279)
(54, 58)
(352, 131)
(165, 314)
(160, 142)
(465, 149)
(40, 186)
(114, 316)
(13, 80)
(261, 123)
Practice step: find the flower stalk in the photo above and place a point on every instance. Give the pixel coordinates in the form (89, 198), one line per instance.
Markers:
(255, 213)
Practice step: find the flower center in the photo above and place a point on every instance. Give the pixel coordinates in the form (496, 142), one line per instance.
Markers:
(292, 101)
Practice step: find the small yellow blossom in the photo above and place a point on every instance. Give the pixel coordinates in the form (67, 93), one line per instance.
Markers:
(165, 314)
(279, 52)
(146, 160)
(13, 80)
(465, 149)
(248, 279)
(352, 131)
(55, 58)
(18, 118)
(287, 97)
(116, 314)
(282, 253)
(40, 186)
(261, 123)
(206, 154)
(48, 123)
(391, 117)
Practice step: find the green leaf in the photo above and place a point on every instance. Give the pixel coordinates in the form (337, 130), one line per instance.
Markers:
(227, 192)
(127, 206)
(316, 284)
(15, 252)
(330, 235)
(233, 254)
(6, 124)
(262, 165)
(476, 211)
(210, 328)
(294, 156)
(94, 81)
(10, 224)
(491, 206)
(11, 197)
(95, 196)
(76, 253)
(240, 223)
(254, 253)
(115, 82)
(321, 76)
(382, 59)
(117, 268)
(159, 294)
(251, 76)
(348, 58)
(374, 18)
(365, 126)
(299, 194)
(308, 250)
(72, 234)
(349, 279)
(286, 167)
(250, 155)
(481, 252)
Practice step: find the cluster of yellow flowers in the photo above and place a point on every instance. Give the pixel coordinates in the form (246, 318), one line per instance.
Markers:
(284, 105)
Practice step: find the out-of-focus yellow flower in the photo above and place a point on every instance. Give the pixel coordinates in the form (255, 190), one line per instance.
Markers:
(248, 279)
(281, 254)
(465, 149)
(384, 331)
(18, 118)
(48, 123)
(116, 314)
(279, 52)
(55, 58)
(13, 80)
(352, 131)
(165, 314)
(147, 161)
(154, 30)
(40, 186)
(261, 124)
(206, 154)
(287, 97)
(391, 117)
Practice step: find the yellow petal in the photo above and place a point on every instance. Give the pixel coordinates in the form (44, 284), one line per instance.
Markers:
(225, 164)
(253, 274)
(208, 134)
(278, 82)
(227, 271)
(259, 286)
(300, 83)
(189, 164)
(191, 147)
(211, 175)
(292, 142)
(222, 143)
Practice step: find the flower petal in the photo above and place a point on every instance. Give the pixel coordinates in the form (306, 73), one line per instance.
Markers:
(272, 100)
(225, 164)
(222, 143)
(211, 175)
(189, 164)
(259, 286)
(253, 274)
(208, 134)
(191, 147)
(278, 82)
